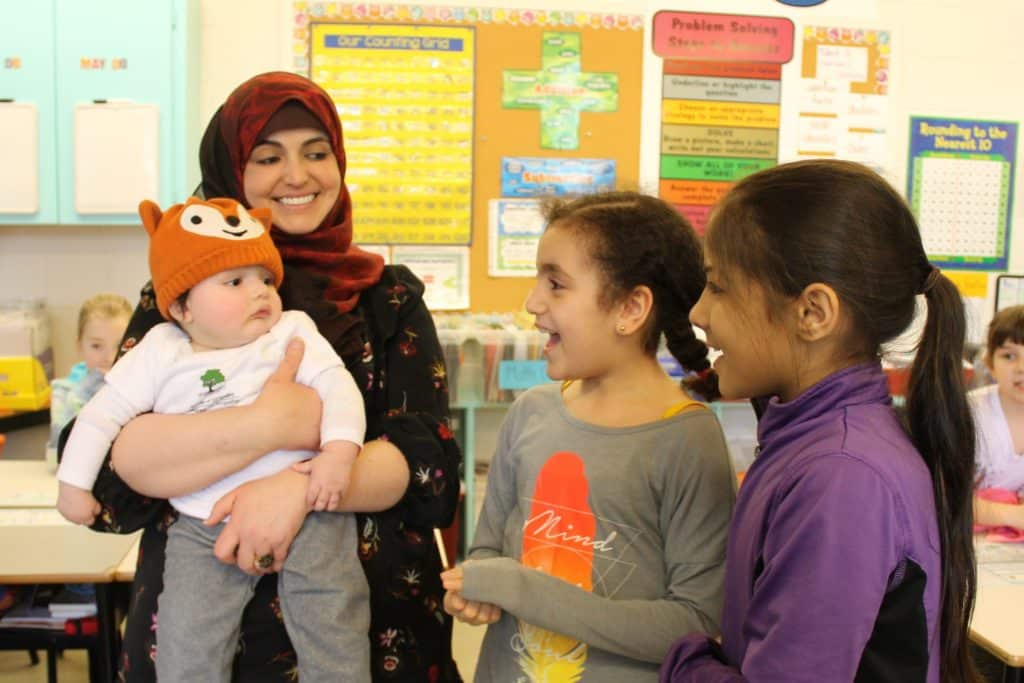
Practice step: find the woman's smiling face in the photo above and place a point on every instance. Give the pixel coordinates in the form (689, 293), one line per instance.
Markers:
(295, 174)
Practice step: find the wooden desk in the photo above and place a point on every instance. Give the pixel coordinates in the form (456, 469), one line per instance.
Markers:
(63, 554)
(996, 624)
(60, 554)
(39, 546)
(27, 484)
(125, 572)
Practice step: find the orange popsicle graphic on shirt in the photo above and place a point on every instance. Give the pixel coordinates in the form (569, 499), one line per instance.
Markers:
(558, 538)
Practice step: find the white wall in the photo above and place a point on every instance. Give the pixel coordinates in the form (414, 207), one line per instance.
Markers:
(946, 53)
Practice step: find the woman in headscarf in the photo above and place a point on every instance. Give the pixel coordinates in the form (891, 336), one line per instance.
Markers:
(277, 143)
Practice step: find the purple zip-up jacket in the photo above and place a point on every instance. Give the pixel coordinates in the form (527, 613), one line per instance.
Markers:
(833, 570)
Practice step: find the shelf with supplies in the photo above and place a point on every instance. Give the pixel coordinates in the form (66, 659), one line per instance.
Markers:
(490, 359)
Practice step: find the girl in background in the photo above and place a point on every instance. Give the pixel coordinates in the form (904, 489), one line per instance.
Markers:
(602, 535)
(999, 415)
(850, 553)
(102, 320)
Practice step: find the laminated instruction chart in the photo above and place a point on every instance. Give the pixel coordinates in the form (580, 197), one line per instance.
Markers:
(721, 90)
(960, 185)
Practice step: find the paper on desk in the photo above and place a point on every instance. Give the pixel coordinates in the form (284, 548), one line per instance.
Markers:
(31, 517)
(986, 552)
(29, 499)
(1009, 572)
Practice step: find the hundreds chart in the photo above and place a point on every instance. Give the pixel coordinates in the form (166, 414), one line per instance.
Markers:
(960, 184)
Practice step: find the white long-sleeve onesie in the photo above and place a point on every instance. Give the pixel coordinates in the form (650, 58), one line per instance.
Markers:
(163, 374)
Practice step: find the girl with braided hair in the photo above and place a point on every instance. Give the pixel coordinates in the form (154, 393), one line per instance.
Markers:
(616, 484)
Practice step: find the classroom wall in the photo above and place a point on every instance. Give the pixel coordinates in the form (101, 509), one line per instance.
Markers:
(946, 53)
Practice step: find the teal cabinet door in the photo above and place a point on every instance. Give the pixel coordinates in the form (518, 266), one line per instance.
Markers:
(28, 184)
(115, 75)
(109, 89)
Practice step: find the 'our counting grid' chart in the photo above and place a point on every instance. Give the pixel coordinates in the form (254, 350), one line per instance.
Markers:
(960, 184)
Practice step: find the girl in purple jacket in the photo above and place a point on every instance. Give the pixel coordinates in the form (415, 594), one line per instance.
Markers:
(849, 554)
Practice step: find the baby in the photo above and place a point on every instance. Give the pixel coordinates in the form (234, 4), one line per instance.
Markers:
(215, 272)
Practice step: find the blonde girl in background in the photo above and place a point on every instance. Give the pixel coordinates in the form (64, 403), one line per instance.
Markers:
(603, 532)
(102, 320)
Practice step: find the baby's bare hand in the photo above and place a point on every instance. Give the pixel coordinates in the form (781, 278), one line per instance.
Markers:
(329, 475)
(325, 495)
(77, 505)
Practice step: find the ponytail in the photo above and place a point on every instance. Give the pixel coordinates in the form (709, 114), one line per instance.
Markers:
(838, 222)
(941, 427)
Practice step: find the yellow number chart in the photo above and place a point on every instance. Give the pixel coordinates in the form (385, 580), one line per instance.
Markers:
(405, 94)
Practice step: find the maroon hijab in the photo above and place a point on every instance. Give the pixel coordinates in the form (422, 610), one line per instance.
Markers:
(229, 140)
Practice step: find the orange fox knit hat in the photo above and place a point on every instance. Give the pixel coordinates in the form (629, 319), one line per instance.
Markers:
(197, 239)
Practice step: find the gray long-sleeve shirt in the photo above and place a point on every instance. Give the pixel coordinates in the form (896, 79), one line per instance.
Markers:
(602, 545)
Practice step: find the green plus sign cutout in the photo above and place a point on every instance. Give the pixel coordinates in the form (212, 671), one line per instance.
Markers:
(560, 90)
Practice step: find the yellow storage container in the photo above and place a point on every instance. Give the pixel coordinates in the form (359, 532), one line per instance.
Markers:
(23, 383)
(26, 355)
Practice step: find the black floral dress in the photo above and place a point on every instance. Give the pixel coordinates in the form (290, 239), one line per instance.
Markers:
(390, 346)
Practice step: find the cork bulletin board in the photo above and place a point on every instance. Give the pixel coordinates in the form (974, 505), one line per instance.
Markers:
(528, 101)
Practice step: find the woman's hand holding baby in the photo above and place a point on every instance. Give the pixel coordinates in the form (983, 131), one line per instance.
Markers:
(266, 516)
(286, 411)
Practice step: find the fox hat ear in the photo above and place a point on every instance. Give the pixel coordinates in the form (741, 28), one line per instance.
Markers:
(151, 214)
(263, 215)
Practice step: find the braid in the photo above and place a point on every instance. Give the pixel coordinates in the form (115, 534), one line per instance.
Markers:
(678, 284)
(692, 354)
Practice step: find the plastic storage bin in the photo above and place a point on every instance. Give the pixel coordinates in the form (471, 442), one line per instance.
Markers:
(26, 355)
